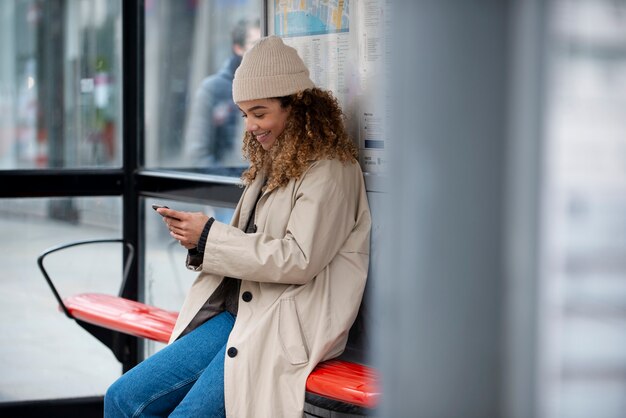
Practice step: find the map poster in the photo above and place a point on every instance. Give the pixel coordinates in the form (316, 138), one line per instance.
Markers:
(368, 35)
(319, 30)
(310, 17)
(341, 43)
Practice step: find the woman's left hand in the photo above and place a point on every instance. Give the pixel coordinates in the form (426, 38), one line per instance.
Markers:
(185, 227)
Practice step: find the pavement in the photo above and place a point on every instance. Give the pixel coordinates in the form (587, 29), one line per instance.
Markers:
(43, 354)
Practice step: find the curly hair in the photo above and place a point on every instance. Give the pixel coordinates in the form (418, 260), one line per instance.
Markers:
(314, 130)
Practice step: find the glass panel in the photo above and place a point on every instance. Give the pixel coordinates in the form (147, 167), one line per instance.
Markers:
(191, 52)
(166, 279)
(44, 354)
(60, 84)
(584, 273)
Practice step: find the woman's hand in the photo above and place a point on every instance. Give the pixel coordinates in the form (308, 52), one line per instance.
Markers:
(185, 227)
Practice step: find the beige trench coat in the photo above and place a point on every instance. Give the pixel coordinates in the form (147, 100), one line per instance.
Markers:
(306, 269)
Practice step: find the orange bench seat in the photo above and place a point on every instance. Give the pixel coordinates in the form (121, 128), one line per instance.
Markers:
(335, 379)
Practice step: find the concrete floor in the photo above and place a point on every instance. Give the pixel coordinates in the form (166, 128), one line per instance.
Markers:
(45, 355)
(36, 360)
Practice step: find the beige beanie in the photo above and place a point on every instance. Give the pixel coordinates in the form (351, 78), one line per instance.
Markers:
(270, 69)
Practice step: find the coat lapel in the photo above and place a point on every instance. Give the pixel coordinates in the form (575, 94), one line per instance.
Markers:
(249, 198)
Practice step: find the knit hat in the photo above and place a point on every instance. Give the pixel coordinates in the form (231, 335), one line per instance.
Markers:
(270, 69)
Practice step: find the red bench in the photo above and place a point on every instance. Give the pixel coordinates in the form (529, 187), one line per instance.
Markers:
(338, 380)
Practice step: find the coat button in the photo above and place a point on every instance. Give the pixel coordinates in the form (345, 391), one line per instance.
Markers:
(232, 352)
(246, 296)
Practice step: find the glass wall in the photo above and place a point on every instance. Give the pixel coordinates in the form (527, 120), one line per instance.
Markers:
(60, 84)
(60, 108)
(166, 279)
(44, 354)
(191, 52)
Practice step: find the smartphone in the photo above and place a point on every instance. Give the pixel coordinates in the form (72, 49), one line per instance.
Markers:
(155, 207)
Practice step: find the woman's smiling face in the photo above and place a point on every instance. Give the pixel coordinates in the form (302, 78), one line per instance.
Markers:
(265, 120)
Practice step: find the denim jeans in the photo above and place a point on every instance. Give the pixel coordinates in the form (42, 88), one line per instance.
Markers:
(184, 379)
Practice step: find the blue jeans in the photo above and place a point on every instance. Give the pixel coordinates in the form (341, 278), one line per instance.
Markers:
(184, 379)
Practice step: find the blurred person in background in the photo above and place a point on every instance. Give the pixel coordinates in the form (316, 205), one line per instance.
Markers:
(214, 131)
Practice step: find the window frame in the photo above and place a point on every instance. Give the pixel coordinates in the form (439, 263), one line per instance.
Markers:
(131, 182)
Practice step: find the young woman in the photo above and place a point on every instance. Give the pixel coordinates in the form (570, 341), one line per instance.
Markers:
(280, 287)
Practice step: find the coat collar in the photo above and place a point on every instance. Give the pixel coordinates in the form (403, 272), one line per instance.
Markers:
(249, 198)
